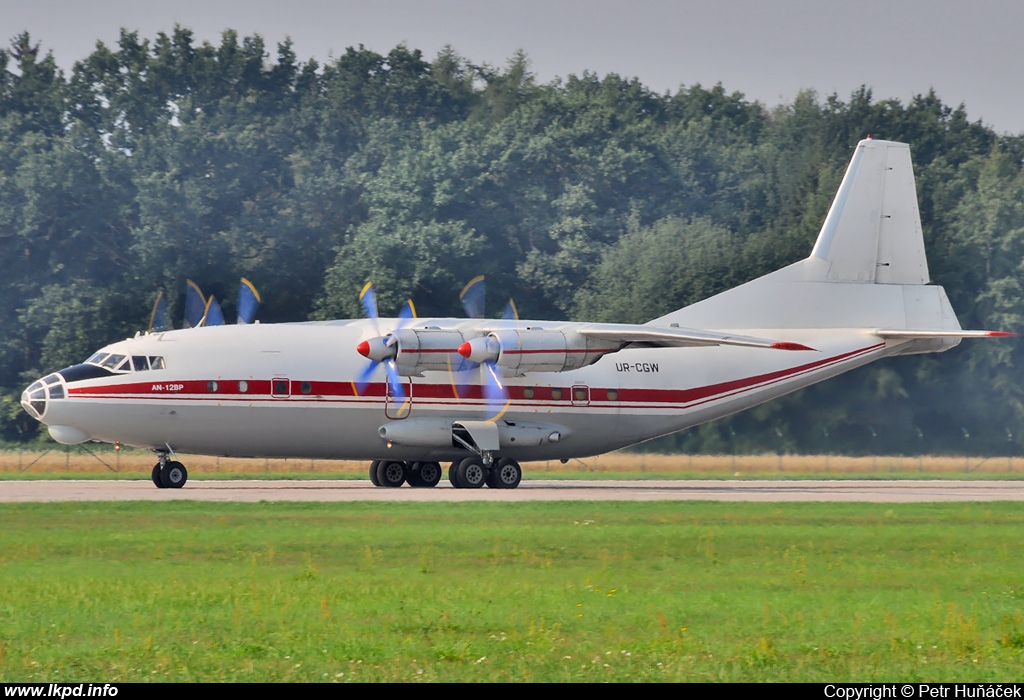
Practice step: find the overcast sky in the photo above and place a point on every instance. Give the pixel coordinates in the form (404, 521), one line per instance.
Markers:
(969, 52)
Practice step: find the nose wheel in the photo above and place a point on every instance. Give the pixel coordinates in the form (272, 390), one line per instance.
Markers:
(169, 474)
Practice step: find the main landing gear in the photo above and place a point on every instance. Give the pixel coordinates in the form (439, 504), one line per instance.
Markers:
(469, 473)
(169, 474)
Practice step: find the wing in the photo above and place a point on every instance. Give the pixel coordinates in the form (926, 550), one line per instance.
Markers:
(672, 337)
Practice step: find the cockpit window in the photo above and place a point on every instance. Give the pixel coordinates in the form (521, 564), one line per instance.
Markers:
(112, 361)
(125, 363)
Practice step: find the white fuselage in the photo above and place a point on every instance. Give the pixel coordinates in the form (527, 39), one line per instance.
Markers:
(290, 390)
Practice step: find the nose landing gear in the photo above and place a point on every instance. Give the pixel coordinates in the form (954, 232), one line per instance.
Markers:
(169, 474)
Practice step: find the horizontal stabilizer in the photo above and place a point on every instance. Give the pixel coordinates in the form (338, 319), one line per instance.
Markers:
(681, 337)
(916, 335)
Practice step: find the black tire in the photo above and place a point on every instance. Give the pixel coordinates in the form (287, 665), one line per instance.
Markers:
(452, 469)
(373, 472)
(156, 476)
(471, 473)
(391, 474)
(505, 474)
(429, 474)
(173, 475)
(413, 476)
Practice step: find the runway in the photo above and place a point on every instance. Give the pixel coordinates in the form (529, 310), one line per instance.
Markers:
(534, 490)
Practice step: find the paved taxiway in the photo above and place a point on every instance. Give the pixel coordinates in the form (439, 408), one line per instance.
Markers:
(359, 490)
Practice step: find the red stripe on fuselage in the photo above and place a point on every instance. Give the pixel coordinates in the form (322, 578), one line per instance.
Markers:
(343, 391)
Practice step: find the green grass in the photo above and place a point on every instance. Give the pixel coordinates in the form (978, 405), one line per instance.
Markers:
(494, 592)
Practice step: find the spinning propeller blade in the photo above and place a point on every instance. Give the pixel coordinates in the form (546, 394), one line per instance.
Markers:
(248, 302)
(511, 312)
(195, 305)
(495, 393)
(368, 298)
(382, 350)
(160, 319)
(472, 297)
(213, 316)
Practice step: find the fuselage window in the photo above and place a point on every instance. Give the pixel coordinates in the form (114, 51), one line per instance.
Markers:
(156, 362)
(280, 387)
(613, 395)
(140, 362)
(306, 387)
(556, 394)
(243, 386)
(528, 392)
(211, 386)
(57, 392)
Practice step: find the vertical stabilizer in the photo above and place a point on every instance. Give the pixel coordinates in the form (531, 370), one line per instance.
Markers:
(867, 269)
(872, 233)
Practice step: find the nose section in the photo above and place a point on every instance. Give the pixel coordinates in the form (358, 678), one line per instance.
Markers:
(35, 397)
(33, 400)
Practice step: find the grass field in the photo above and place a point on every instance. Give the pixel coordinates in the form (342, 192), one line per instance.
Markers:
(102, 461)
(496, 592)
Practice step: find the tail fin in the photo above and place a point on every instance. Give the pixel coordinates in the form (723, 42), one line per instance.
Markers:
(873, 230)
(867, 270)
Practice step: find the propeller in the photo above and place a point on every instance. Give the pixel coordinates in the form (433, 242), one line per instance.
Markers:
(248, 301)
(483, 352)
(472, 297)
(382, 350)
(195, 305)
(212, 315)
(160, 319)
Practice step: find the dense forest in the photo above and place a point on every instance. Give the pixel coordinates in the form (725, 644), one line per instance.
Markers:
(589, 198)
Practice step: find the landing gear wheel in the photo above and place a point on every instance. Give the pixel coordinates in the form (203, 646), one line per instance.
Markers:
(413, 477)
(156, 476)
(470, 474)
(173, 475)
(505, 474)
(427, 476)
(452, 469)
(373, 472)
(391, 474)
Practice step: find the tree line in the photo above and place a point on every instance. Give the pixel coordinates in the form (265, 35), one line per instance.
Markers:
(586, 198)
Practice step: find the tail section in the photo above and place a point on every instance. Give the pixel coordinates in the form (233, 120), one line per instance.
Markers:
(867, 269)
(872, 233)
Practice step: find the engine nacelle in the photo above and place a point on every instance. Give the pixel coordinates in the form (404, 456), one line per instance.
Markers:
(429, 349)
(537, 350)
